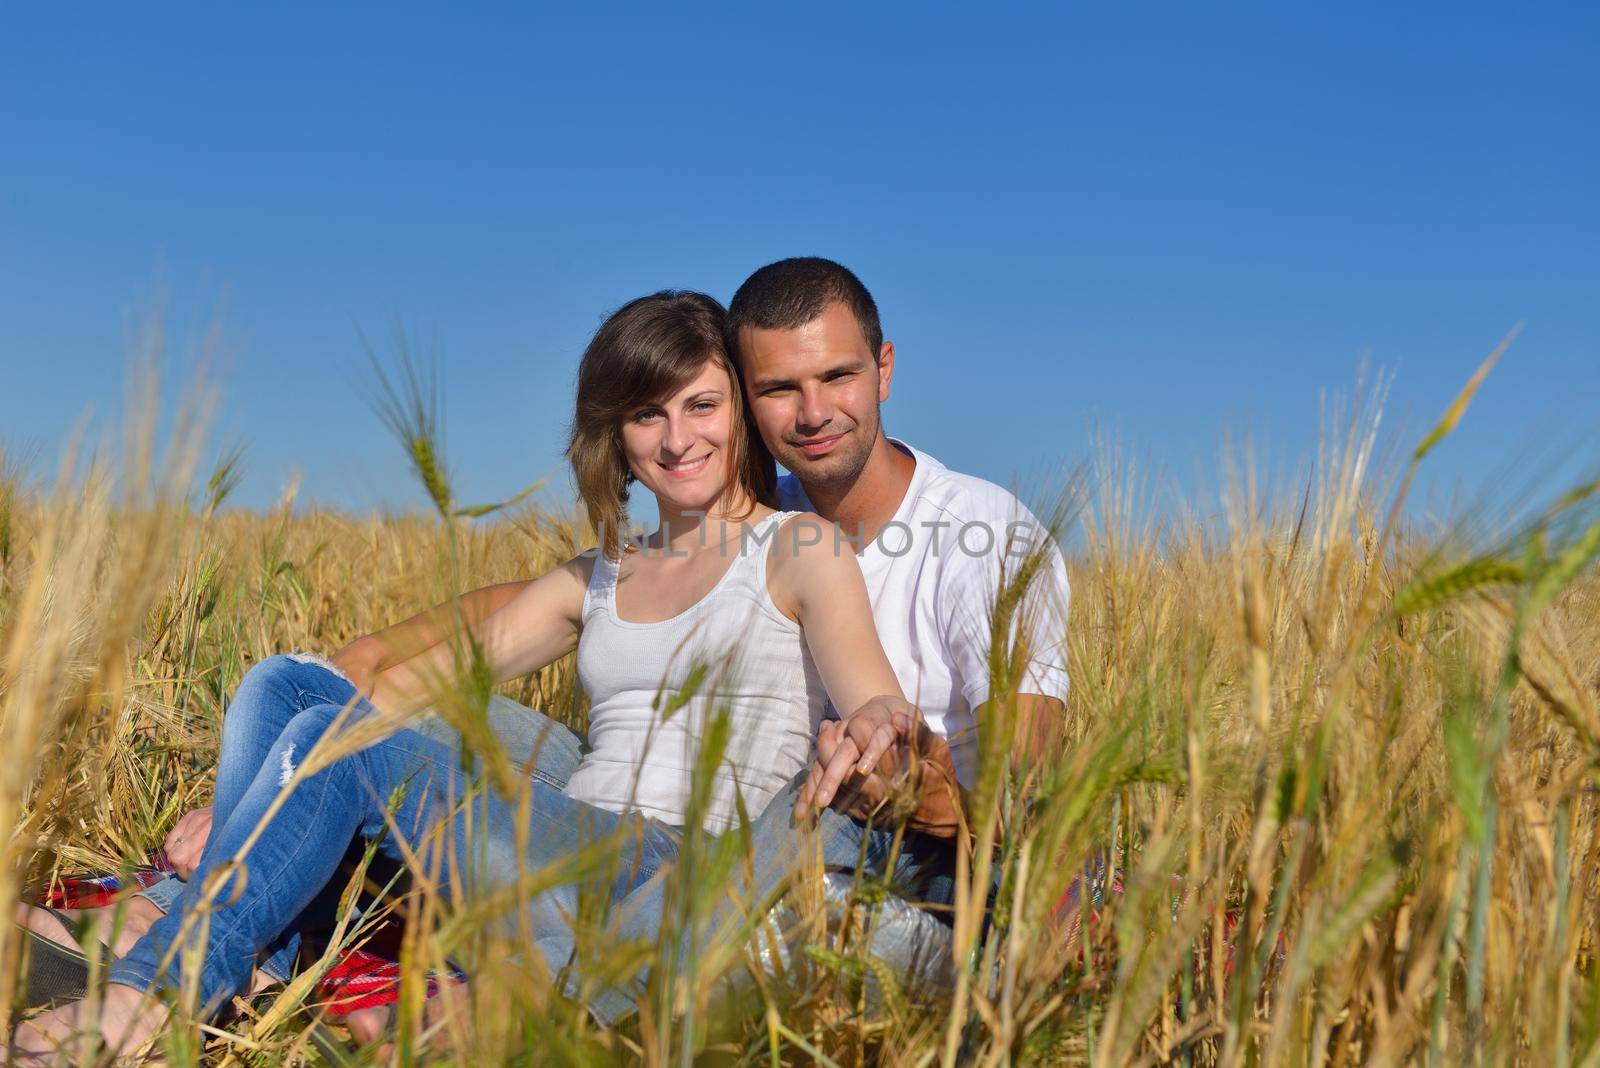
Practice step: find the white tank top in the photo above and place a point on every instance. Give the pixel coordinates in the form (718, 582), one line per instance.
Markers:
(753, 664)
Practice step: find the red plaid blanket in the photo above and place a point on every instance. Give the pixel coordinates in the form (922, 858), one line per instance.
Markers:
(359, 980)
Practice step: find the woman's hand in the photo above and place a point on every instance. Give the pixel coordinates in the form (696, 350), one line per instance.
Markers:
(187, 841)
(854, 746)
(915, 775)
(362, 662)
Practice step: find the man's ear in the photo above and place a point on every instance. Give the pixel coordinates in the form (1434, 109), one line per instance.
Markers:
(885, 370)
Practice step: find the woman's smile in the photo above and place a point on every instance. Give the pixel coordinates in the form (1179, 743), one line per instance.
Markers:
(685, 468)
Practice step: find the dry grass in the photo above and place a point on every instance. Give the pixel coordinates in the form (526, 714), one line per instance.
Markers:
(1345, 773)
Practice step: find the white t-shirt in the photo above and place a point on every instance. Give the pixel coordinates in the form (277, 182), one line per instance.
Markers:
(933, 574)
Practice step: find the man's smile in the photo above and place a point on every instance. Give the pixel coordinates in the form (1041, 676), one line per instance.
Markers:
(819, 446)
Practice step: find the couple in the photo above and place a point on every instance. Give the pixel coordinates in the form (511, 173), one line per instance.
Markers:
(866, 581)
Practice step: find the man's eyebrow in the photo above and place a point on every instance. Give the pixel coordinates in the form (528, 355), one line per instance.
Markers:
(769, 383)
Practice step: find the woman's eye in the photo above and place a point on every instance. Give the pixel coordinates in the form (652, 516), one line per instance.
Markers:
(705, 406)
(645, 415)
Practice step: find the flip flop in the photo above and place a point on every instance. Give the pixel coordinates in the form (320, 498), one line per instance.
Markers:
(56, 973)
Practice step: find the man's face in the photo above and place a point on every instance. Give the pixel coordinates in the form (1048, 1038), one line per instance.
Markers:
(814, 393)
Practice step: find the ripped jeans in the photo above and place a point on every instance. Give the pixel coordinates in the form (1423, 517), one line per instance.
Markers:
(410, 785)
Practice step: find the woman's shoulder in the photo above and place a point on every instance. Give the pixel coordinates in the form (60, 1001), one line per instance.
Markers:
(581, 567)
(797, 535)
(570, 579)
(808, 548)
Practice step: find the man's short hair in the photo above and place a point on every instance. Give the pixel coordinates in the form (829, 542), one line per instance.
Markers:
(791, 293)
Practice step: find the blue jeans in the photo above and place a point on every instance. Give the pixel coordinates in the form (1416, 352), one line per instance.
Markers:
(278, 688)
(414, 778)
(922, 870)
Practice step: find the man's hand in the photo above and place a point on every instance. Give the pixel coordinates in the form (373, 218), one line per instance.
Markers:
(915, 774)
(861, 795)
(187, 841)
(855, 746)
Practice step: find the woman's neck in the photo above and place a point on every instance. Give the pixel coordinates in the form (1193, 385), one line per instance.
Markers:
(685, 531)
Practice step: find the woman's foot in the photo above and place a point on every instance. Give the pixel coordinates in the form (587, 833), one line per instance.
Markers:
(138, 914)
(128, 1021)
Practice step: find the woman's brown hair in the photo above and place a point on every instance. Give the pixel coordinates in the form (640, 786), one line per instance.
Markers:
(649, 349)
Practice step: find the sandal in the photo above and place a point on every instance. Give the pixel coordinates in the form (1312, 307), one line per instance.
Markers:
(56, 973)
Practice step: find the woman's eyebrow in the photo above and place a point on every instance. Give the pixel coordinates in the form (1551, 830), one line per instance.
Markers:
(704, 393)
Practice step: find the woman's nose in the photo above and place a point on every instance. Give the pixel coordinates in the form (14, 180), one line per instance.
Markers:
(680, 437)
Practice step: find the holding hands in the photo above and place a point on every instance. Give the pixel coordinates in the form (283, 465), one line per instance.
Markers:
(881, 749)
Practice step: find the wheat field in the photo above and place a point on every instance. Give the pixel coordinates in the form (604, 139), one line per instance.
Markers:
(1337, 768)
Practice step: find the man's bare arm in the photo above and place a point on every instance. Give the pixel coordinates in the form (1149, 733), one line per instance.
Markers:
(1038, 732)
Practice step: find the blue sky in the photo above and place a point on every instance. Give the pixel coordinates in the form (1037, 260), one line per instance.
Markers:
(1163, 223)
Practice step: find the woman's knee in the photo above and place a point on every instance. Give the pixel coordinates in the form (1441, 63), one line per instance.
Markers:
(269, 672)
(264, 701)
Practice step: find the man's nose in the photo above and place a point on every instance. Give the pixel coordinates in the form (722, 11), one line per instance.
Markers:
(815, 410)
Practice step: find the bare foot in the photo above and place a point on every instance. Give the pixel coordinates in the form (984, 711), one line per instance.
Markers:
(368, 1026)
(128, 1021)
(138, 913)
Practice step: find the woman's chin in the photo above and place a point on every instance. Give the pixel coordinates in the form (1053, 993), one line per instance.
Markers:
(701, 493)
(688, 498)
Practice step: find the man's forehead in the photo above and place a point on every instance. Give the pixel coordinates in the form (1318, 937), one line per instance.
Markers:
(828, 338)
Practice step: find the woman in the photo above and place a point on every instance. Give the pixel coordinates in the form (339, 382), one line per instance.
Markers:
(725, 588)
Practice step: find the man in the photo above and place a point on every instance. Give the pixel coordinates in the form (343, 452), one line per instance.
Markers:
(934, 546)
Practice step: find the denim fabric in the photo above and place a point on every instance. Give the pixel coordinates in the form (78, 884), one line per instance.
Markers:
(281, 686)
(164, 893)
(282, 709)
(923, 871)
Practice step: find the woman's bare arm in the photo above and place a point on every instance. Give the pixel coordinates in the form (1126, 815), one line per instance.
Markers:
(536, 626)
(820, 587)
(819, 584)
(368, 656)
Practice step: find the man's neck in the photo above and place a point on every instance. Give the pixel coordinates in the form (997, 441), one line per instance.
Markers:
(866, 504)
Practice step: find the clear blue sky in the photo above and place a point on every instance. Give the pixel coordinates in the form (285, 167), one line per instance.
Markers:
(1171, 222)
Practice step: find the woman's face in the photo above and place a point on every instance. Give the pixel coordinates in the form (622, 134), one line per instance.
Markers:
(679, 447)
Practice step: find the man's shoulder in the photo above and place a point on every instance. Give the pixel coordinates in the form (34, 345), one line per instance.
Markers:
(964, 498)
(941, 495)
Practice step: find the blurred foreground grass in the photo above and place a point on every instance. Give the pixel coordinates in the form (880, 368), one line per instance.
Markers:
(1343, 770)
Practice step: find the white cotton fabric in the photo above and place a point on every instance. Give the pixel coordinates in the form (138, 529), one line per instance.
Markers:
(757, 669)
(933, 590)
